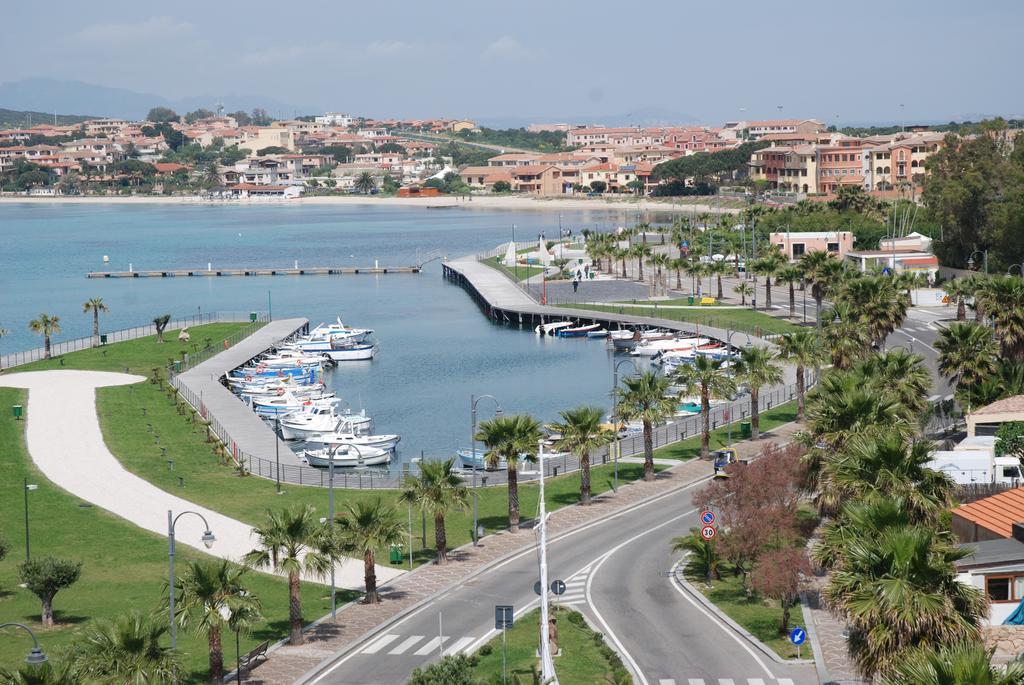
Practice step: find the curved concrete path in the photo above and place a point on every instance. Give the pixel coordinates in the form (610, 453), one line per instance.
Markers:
(64, 440)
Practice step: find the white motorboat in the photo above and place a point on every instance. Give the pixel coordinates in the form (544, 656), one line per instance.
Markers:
(323, 417)
(284, 358)
(381, 442)
(550, 328)
(345, 456)
(350, 352)
(311, 392)
(285, 404)
(653, 347)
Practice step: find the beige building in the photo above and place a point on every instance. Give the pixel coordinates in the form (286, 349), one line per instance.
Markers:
(987, 420)
(260, 137)
(796, 244)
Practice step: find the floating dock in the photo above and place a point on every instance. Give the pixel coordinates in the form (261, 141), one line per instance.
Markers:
(308, 271)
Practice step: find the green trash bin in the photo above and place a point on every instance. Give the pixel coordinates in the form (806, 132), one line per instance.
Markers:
(17, 411)
(252, 316)
(177, 367)
(396, 554)
(103, 338)
(745, 431)
(689, 300)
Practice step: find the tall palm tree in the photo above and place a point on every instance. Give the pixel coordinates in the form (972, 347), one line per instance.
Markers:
(720, 269)
(845, 335)
(900, 590)
(365, 183)
(768, 266)
(858, 521)
(967, 354)
(1003, 300)
(744, 290)
(709, 378)
(207, 593)
(640, 252)
(842, 406)
(820, 269)
(364, 527)
(621, 253)
(697, 270)
(582, 433)
(878, 304)
(679, 265)
(437, 491)
(509, 439)
(901, 373)
(45, 325)
(758, 368)
(125, 651)
(95, 305)
(804, 349)
(702, 553)
(790, 274)
(63, 673)
(959, 290)
(645, 398)
(294, 542)
(982, 296)
(953, 664)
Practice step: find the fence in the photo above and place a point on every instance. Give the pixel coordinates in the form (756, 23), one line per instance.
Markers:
(56, 349)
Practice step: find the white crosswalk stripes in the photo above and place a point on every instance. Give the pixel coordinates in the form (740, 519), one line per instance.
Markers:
(755, 681)
(575, 590)
(400, 646)
(405, 645)
(725, 681)
(431, 646)
(785, 681)
(458, 645)
(380, 644)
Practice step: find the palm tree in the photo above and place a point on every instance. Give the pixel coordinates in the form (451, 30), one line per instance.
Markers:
(45, 325)
(900, 590)
(46, 674)
(857, 521)
(743, 289)
(959, 290)
(877, 303)
(660, 261)
(582, 433)
(845, 336)
(621, 253)
(640, 252)
(294, 542)
(720, 269)
(820, 270)
(95, 305)
(366, 526)
(967, 354)
(207, 594)
(437, 491)
(509, 439)
(768, 266)
(697, 270)
(702, 553)
(842, 406)
(1003, 300)
(790, 275)
(211, 176)
(125, 651)
(757, 368)
(955, 664)
(679, 265)
(901, 373)
(645, 397)
(364, 183)
(709, 378)
(982, 296)
(804, 349)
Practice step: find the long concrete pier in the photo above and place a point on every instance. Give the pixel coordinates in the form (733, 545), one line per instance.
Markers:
(290, 271)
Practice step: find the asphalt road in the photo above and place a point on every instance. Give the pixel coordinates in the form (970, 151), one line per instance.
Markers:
(665, 638)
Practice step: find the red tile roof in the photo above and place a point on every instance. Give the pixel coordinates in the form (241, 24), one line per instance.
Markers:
(997, 513)
(1010, 404)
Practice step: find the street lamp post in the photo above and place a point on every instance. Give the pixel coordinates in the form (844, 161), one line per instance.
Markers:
(615, 419)
(1020, 267)
(208, 539)
(29, 487)
(472, 449)
(35, 657)
(331, 451)
(277, 451)
(971, 262)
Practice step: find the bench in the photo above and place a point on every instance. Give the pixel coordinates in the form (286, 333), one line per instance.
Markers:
(707, 300)
(255, 654)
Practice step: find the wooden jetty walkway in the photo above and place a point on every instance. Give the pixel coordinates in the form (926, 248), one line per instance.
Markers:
(290, 271)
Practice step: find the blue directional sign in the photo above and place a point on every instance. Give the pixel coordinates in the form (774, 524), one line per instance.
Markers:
(886, 271)
(707, 517)
(798, 636)
(503, 616)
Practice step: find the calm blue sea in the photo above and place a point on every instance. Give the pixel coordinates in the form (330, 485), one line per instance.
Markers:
(436, 346)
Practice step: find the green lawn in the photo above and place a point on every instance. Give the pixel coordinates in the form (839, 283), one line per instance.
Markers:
(746, 320)
(585, 658)
(521, 272)
(690, 448)
(124, 567)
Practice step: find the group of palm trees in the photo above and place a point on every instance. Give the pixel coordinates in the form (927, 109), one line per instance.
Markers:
(48, 325)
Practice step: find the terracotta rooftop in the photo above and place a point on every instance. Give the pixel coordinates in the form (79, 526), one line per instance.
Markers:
(1010, 404)
(997, 513)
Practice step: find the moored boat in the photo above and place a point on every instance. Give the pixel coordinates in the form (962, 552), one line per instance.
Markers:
(345, 456)
(577, 331)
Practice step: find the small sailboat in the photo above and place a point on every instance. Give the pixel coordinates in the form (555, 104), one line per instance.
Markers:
(550, 328)
(350, 351)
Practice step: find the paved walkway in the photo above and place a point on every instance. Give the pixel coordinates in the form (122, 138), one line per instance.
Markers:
(64, 440)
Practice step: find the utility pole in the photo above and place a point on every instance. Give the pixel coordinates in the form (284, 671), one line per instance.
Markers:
(547, 667)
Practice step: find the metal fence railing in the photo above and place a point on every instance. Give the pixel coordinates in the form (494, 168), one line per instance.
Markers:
(8, 361)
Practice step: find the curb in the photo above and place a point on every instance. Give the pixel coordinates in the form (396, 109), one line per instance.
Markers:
(353, 644)
(743, 632)
(820, 667)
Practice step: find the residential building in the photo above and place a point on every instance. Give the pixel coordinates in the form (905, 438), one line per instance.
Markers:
(484, 176)
(537, 179)
(787, 168)
(544, 128)
(335, 119)
(795, 244)
(987, 420)
(755, 129)
(105, 127)
(248, 191)
(462, 125)
(996, 567)
(260, 137)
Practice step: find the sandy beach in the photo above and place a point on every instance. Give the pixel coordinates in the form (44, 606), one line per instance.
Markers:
(626, 206)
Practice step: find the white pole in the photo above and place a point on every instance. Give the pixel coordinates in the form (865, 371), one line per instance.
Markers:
(547, 667)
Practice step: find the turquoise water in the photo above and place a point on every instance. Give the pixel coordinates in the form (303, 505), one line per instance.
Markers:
(436, 347)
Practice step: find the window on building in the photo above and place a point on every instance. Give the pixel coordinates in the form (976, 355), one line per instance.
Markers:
(999, 588)
(832, 247)
(798, 249)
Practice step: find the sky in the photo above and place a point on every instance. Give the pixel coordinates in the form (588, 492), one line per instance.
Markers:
(868, 61)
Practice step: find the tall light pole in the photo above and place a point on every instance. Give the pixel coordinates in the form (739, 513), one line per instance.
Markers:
(547, 667)
(35, 657)
(277, 450)
(208, 539)
(29, 487)
(472, 449)
(331, 450)
(615, 418)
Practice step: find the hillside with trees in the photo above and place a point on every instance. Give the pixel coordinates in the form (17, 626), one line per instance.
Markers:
(13, 118)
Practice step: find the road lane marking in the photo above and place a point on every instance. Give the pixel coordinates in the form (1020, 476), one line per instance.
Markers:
(726, 681)
(755, 681)
(380, 644)
(696, 681)
(785, 681)
(458, 645)
(670, 681)
(409, 642)
(431, 646)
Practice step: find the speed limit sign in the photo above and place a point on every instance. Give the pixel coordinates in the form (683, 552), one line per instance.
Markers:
(708, 532)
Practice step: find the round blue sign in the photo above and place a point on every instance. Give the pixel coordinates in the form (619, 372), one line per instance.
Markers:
(707, 517)
(798, 636)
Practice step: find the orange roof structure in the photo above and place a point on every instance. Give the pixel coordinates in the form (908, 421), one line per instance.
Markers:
(1009, 404)
(997, 513)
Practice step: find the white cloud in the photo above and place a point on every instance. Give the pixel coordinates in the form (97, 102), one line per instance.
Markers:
(387, 48)
(152, 29)
(507, 48)
(293, 53)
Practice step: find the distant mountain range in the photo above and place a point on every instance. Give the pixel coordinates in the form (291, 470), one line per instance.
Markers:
(13, 118)
(646, 116)
(51, 95)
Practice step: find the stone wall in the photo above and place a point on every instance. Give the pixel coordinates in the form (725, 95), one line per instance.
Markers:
(1007, 640)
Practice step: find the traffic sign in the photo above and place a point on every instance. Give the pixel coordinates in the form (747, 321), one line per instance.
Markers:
(503, 616)
(708, 532)
(685, 243)
(536, 588)
(557, 587)
(798, 636)
(707, 517)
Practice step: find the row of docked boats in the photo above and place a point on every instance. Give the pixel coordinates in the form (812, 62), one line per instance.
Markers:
(286, 386)
(571, 329)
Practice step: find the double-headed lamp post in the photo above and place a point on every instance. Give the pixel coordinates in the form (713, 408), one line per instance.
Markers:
(1020, 270)
(984, 256)
(615, 418)
(35, 657)
(331, 451)
(208, 540)
(473, 400)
